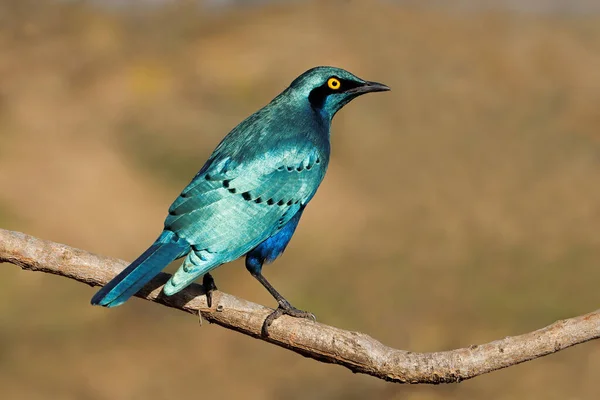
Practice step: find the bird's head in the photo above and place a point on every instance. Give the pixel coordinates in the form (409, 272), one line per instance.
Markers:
(328, 89)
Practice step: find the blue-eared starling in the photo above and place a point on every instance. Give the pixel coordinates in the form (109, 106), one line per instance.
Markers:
(250, 195)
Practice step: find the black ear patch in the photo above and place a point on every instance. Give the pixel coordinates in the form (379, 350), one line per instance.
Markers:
(318, 95)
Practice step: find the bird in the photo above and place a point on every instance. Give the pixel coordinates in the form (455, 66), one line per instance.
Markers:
(250, 194)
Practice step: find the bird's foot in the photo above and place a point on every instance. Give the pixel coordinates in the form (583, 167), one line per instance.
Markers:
(285, 308)
(209, 286)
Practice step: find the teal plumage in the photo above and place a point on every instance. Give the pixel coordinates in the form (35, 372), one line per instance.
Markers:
(248, 197)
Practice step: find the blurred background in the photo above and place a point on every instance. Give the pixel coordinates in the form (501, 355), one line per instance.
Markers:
(467, 197)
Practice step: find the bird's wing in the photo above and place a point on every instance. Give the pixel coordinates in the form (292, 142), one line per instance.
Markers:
(233, 205)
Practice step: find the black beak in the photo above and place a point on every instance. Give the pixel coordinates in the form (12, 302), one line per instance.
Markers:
(369, 87)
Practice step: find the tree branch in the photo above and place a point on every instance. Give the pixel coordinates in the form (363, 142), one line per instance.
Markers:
(355, 351)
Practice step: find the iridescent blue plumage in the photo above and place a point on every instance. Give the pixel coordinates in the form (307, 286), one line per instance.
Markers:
(249, 196)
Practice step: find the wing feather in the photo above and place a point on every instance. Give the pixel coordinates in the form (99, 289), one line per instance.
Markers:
(229, 209)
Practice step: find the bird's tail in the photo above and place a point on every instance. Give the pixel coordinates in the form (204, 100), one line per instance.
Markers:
(166, 249)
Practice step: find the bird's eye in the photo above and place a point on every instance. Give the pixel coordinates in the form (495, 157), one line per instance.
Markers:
(333, 83)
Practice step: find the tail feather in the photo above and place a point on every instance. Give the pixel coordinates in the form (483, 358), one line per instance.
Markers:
(140, 272)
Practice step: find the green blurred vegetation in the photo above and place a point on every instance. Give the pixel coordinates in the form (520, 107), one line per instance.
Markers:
(459, 208)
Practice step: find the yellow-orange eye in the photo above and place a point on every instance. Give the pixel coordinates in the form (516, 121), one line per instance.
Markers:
(333, 83)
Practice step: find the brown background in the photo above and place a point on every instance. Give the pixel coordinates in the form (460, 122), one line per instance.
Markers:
(459, 208)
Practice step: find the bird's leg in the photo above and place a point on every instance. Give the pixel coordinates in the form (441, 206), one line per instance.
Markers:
(285, 308)
(209, 286)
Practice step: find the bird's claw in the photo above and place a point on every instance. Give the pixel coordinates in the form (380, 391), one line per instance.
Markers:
(209, 286)
(285, 310)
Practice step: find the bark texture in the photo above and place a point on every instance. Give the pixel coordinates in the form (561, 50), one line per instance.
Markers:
(355, 351)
